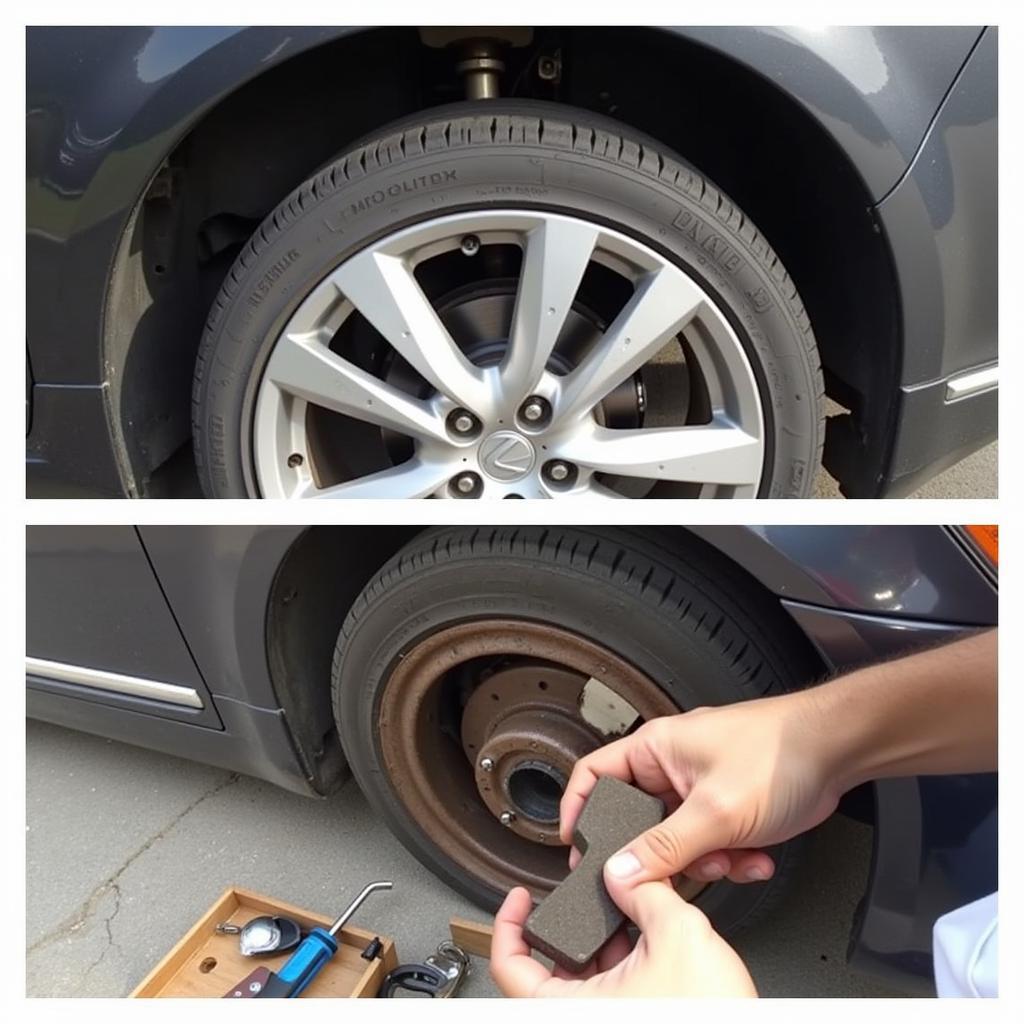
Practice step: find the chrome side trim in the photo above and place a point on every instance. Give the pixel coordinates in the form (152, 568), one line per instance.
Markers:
(98, 679)
(972, 382)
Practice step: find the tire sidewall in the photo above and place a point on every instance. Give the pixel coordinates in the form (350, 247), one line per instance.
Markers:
(683, 666)
(503, 175)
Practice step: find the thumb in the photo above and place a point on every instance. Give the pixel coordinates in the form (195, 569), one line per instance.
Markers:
(669, 847)
(654, 907)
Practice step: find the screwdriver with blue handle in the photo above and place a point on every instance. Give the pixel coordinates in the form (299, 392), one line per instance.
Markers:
(315, 950)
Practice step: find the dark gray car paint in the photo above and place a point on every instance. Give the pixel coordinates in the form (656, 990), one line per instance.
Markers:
(897, 572)
(109, 104)
(96, 603)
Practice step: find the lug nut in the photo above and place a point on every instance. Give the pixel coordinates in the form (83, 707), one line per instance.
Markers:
(558, 471)
(535, 410)
(466, 484)
(487, 764)
(462, 422)
(470, 245)
(294, 460)
(507, 817)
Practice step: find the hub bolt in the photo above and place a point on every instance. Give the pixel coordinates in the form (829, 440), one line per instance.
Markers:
(470, 245)
(487, 764)
(558, 471)
(466, 484)
(507, 817)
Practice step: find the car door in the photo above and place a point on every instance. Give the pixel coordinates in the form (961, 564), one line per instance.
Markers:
(99, 629)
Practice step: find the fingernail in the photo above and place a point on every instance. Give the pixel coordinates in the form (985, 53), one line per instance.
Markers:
(756, 874)
(624, 864)
(712, 871)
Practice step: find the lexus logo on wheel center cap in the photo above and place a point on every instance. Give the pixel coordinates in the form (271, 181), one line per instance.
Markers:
(506, 455)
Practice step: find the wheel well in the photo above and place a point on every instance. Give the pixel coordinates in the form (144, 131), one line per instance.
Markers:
(315, 585)
(258, 143)
(324, 571)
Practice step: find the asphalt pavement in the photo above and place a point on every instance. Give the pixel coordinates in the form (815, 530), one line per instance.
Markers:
(126, 848)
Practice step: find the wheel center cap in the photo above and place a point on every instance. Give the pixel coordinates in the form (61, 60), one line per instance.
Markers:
(506, 456)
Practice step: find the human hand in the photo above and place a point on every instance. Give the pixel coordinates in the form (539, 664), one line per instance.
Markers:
(733, 778)
(678, 952)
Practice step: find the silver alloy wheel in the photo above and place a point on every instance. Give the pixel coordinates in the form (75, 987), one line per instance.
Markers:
(508, 454)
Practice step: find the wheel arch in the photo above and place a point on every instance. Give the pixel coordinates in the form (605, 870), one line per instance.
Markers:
(322, 574)
(819, 185)
(315, 584)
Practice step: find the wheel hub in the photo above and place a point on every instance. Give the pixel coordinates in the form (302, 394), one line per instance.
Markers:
(506, 456)
(523, 731)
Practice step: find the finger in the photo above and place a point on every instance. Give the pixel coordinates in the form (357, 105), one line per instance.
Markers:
(611, 759)
(574, 858)
(736, 865)
(668, 848)
(750, 866)
(634, 759)
(711, 868)
(514, 971)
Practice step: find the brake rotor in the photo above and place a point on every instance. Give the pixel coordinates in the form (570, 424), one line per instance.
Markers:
(522, 731)
(431, 763)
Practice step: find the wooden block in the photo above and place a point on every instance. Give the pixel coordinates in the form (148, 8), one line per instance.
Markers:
(472, 936)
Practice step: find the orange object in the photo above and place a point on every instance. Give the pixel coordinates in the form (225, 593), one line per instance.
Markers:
(987, 538)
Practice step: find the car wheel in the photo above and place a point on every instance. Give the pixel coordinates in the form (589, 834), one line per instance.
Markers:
(482, 662)
(508, 299)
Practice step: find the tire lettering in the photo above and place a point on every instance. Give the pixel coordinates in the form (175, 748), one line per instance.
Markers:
(720, 251)
(378, 196)
(263, 286)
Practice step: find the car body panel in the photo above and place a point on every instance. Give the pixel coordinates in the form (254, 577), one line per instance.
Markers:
(107, 105)
(941, 223)
(890, 571)
(220, 582)
(96, 604)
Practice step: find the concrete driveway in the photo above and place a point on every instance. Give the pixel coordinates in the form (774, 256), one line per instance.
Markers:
(127, 848)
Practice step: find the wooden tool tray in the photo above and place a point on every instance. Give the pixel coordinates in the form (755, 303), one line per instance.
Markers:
(205, 964)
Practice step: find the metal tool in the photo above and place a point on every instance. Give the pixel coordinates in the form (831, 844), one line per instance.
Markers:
(251, 985)
(264, 934)
(439, 976)
(314, 951)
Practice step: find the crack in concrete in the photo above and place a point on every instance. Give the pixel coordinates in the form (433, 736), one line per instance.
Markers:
(78, 919)
(110, 943)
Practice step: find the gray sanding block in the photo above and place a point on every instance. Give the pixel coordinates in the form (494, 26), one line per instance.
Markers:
(575, 920)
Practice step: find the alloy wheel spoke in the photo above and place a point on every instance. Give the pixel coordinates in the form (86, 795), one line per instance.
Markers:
(385, 291)
(717, 453)
(415, 478)
(303, 366)
(663, 303)
(555, 259)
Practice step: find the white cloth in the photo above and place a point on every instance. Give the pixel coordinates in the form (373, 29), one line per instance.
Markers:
(966, 947)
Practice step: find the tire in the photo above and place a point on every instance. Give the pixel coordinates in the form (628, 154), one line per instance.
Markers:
(701, 630)
(509, 155)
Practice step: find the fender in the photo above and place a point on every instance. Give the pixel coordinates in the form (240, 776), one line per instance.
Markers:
(107, 105)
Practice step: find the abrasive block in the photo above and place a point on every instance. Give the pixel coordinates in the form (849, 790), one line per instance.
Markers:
(572, 923)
